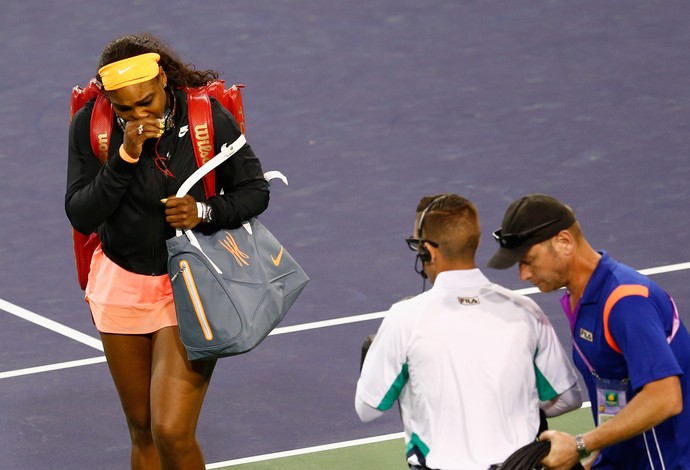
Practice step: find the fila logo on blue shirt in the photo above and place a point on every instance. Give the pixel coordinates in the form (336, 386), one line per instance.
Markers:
(468, 300)
(586, 335)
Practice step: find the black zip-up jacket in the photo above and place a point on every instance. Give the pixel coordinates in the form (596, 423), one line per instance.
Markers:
(121, 201)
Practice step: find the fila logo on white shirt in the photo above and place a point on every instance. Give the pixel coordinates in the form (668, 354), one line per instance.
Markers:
(468, 300)
(586, 335)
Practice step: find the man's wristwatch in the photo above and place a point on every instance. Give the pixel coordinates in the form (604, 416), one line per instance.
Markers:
(581, 449)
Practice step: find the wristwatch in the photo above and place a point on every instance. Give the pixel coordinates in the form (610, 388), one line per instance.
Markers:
(581, 449)
(208, 213)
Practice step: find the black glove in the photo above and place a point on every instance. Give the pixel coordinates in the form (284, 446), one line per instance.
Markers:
(529, 456)
(365, 350)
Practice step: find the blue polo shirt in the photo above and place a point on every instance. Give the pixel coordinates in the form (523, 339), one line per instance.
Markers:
(640, 327)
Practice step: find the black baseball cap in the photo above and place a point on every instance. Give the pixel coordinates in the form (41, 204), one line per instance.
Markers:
(530, 220)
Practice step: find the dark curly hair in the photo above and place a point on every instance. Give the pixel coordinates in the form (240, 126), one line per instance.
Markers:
(179, 74)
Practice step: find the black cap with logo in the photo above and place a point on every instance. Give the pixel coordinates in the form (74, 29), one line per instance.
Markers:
(530, 220)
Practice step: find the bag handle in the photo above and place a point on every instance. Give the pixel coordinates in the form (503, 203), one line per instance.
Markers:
(226, 151)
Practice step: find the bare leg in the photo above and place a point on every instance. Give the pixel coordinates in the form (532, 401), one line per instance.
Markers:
(129, 360)
(161, 394)
(178, 388)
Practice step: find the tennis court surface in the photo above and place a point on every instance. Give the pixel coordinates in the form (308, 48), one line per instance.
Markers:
(365, 107)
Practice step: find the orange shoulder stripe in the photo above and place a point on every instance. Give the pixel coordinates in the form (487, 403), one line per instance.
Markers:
(618, 293)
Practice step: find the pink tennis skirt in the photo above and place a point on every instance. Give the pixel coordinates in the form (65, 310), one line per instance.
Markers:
(127, 303)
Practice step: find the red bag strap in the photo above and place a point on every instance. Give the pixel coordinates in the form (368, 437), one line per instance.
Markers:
(101, 127)
(230, 98)
(201, 121)
(101, 117)
(201, 131)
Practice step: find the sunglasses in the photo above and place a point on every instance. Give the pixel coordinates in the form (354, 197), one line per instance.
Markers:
(415, 243)
(515, 240)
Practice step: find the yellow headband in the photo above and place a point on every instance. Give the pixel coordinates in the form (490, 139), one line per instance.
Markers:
(129, 71)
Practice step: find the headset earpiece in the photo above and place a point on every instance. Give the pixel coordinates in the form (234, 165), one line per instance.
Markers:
(424, 255)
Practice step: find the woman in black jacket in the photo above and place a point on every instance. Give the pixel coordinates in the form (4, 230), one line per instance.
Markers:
(128, 202)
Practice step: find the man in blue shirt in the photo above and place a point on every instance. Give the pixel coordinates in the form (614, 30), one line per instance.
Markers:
(628, 342)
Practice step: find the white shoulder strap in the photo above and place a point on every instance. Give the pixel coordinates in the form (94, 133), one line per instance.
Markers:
(226, 151)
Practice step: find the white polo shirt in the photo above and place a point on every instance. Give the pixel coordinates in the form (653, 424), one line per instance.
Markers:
(469, 361)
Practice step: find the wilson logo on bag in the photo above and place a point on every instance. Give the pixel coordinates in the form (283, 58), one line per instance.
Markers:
(200, 120)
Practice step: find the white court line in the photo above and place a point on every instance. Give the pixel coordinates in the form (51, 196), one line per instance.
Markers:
(665, 269)
(327, 323)
(51, 325)
(95, 343)
(307, 450)
(321, 448)
(49, 367)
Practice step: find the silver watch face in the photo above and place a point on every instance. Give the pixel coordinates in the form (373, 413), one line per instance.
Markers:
(581, 448)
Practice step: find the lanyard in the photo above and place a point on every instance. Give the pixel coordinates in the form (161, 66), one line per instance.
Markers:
(572, 318)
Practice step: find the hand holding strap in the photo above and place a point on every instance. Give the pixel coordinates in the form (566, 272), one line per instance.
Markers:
(226, 151)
